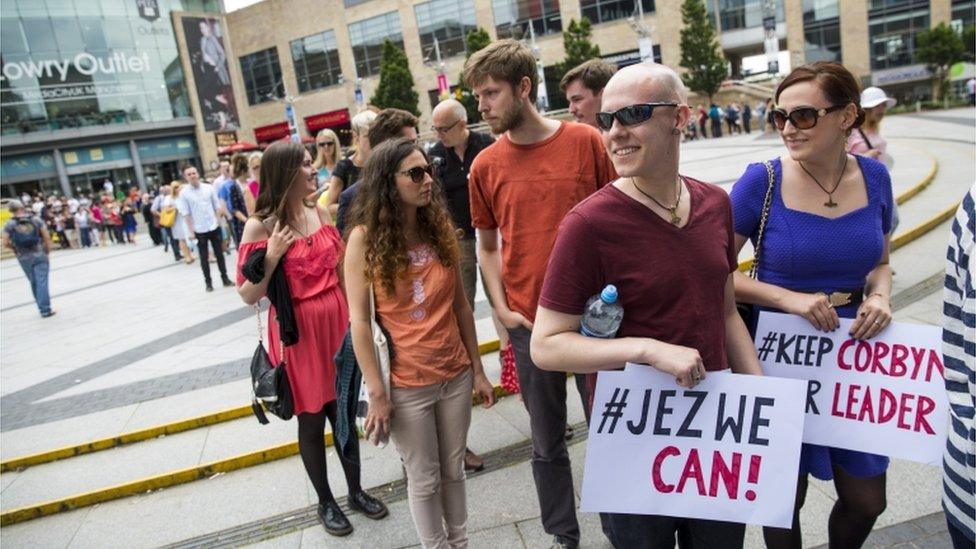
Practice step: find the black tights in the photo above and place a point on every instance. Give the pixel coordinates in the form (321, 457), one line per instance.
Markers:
(860, 501)
(311, 445)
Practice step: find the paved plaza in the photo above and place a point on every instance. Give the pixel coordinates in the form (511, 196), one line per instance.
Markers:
(137, 343)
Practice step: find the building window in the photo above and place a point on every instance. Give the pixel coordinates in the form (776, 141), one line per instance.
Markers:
(601, 11)
(963, 11)
(449, 21)
(513, 17)
(822, 42)
(820, 10)
(316, 59)
(262, 76)
(351, 3)
(367, 38)
(744, 14)
(892, 28)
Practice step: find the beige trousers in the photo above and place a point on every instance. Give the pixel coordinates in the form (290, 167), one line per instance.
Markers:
(430, 428)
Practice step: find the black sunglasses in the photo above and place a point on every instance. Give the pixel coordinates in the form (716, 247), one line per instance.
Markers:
(802, 118)
(416, 173)
(630, 115)
(325, 143)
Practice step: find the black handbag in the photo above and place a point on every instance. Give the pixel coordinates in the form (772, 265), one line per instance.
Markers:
(270, 390)
(746, 310)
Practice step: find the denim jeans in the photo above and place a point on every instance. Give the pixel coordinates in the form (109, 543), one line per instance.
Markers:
(36, 268)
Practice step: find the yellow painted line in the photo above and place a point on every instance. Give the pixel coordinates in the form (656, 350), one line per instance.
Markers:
(173, 478)
(23, 462)
(123, 439)
(913, 234)
(920, 186)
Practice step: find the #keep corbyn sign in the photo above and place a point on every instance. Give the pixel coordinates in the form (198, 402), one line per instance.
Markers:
(885, 395)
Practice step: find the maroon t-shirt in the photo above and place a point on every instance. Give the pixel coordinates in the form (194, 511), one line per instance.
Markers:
(671, 281)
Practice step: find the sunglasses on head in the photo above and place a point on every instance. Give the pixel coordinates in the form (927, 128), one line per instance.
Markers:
(802, 118)
(325, 143)
(630, 115)
(417, 173)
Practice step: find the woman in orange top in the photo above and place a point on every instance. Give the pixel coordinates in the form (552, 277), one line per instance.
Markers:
(403, 243)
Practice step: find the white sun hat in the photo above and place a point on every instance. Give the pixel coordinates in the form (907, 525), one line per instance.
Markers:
(872, 97)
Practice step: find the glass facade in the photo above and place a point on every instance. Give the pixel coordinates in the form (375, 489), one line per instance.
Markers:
(76, 64)
(821, 30)
(316, 59)
(449, 21)
(892, 28)
(367, 38)
(964, 11)
(262, 76)
(602, 11)
(743, 14)
(513, 17)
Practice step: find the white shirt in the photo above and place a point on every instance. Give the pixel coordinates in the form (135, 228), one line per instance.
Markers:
(201, 204)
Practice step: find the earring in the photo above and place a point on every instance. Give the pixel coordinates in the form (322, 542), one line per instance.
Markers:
(675, 131)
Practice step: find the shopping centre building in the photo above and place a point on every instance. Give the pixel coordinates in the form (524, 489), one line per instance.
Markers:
(127, 89)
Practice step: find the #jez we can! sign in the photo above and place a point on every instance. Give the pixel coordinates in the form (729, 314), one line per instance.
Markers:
(728, 449)
(885, 395)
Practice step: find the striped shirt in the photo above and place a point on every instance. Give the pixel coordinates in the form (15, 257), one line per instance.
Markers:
(959, 355)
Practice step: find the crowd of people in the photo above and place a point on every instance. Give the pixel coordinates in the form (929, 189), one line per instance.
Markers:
(392, 237)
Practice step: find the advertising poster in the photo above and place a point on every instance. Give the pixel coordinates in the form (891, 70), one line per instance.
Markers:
(205, 45)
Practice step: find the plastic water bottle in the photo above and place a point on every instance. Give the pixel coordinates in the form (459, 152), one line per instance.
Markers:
(603, 315)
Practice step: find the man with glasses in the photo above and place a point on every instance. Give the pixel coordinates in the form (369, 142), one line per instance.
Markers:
(452, 155)
(520, 189)
(680, 318)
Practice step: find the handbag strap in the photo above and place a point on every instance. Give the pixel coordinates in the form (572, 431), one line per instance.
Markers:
(257, 314)
(763, 218)
(864, 136)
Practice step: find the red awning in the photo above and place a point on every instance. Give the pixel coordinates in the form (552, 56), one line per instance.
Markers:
(240, 146)
(305, 139)
(329, 119)
(272, 132)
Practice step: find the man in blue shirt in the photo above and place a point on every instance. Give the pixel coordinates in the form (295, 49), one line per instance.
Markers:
(199, 206)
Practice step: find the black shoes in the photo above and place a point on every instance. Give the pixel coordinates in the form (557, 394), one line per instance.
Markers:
(227, 282)
(333, 519)
(559, 542)
(368, 505)
(209, 287)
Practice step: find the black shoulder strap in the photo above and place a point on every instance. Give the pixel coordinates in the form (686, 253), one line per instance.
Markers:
(865, 138)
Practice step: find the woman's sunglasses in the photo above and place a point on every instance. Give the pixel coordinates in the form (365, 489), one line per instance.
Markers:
(417, 173)
(325, 143)
(629, 116)
(802, 118)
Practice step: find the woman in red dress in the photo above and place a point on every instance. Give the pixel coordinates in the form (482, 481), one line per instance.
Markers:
(287, 227)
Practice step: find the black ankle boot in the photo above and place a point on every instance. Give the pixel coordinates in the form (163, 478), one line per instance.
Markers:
(368, 505)
(333, 519)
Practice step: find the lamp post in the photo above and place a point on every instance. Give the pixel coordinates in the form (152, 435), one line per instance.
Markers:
(644, 42)
(542, 97)
(770, 40)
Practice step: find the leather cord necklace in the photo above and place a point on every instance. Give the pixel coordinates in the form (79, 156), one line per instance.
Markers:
(673, 210)
(830, 194)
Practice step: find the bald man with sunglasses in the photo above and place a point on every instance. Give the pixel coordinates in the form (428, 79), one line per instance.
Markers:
(666, 241)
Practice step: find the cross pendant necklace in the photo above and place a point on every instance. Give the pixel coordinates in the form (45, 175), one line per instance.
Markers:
(830, 194)
(672, 210)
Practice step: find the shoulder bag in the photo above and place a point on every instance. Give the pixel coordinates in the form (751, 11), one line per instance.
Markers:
(270, 390)
(748, 311)
(167, 218)
(382, 350)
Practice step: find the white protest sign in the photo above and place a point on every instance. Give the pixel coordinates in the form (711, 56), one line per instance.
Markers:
(729, 449)
(884, 396)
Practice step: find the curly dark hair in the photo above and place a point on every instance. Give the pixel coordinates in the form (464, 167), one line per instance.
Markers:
(379, 210)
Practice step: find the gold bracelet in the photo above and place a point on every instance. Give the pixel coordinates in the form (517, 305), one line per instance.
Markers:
(886, 298)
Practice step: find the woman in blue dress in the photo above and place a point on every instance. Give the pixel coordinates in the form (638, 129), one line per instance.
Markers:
(826, 237)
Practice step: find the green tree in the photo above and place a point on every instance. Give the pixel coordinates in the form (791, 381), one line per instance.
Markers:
(969, 40)
(396, 83)
(475, 40)
(576, 42)
(701, 55)
(940, 48)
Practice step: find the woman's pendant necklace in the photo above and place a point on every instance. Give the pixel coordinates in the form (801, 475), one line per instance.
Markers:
(830, 194)
(672, 210)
